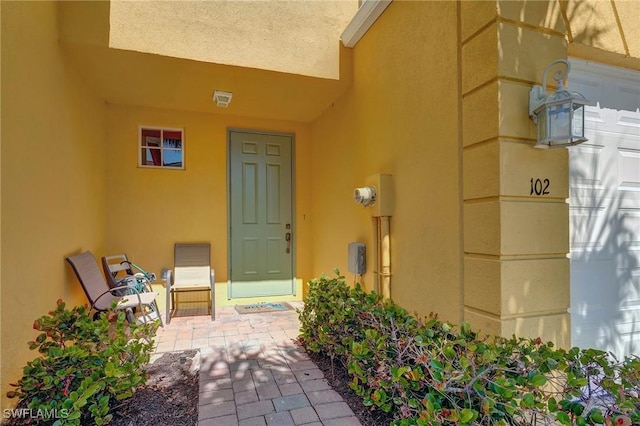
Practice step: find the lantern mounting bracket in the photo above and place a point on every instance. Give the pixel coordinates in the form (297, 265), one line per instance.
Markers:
(538, 94)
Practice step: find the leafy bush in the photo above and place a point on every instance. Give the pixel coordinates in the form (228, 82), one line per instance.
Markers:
(84, 363)
(330, 319)
(431, 373)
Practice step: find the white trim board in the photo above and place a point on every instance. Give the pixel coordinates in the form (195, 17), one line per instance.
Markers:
(364, 18)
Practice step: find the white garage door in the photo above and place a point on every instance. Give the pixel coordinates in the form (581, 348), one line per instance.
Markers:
(605, 212)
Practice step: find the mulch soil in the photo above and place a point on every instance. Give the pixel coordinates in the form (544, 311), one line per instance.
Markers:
(170, 396)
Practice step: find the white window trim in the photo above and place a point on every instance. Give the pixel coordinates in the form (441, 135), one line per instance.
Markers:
(162, 128)
(364, 18)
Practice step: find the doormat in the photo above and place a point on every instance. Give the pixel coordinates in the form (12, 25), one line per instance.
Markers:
(258, 308)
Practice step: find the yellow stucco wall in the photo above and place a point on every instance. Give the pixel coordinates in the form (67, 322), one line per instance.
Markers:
(148, 210)
(606, 32)
(399, 117)
(298, 37)
(53, 180)
(148, 78)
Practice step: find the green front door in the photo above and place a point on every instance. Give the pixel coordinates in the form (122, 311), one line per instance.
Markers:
(261, 230)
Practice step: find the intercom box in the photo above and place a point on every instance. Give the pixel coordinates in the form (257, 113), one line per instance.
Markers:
(357, 262)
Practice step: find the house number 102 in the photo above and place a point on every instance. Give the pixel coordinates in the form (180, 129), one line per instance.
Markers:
(539, 186)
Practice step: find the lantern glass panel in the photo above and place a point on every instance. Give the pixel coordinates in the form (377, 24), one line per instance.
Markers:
(560, 121)
(578, 121)
(542, 126)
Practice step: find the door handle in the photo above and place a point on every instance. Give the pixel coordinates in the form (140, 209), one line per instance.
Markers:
(287, 237)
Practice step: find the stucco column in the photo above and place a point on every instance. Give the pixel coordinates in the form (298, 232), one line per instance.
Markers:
(516, 273)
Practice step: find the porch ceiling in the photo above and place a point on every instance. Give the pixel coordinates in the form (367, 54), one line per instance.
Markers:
(134, 78)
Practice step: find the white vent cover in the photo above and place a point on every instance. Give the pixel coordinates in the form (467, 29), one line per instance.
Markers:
(222, 99)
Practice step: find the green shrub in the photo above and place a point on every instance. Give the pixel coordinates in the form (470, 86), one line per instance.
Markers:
(330, 319)
(83, 364)
(428, 372)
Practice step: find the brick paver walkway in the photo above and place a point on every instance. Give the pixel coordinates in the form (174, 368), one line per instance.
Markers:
(252, 373)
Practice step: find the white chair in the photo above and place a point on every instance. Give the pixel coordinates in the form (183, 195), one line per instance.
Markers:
(191, 272)
(120, 273)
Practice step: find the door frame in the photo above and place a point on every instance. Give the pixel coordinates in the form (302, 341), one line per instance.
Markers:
(293, 202)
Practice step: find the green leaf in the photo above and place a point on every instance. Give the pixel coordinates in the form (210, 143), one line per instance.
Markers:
(595, 415)
(563, 418)
(538, 380)
(577, 408)
(396, 372)
(465, 328)
(379, 397)
(75, 414)
(354, 368)
(528, 400)
(449, 352)
(467, 415)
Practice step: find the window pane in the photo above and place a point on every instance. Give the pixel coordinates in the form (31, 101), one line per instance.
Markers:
(152, 141)
(150, 157)
(171, 142)
(172, 158)
(151, 137)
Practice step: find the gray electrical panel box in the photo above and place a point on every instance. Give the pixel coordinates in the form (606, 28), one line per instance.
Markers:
(357, 258)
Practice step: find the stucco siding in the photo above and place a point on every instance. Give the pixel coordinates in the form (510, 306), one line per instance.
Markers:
(297, 37)
(506, 228)
(398, 118)
(606, 32)
(53, 177)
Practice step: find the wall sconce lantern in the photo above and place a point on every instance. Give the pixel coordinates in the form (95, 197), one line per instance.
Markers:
(560, 115)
